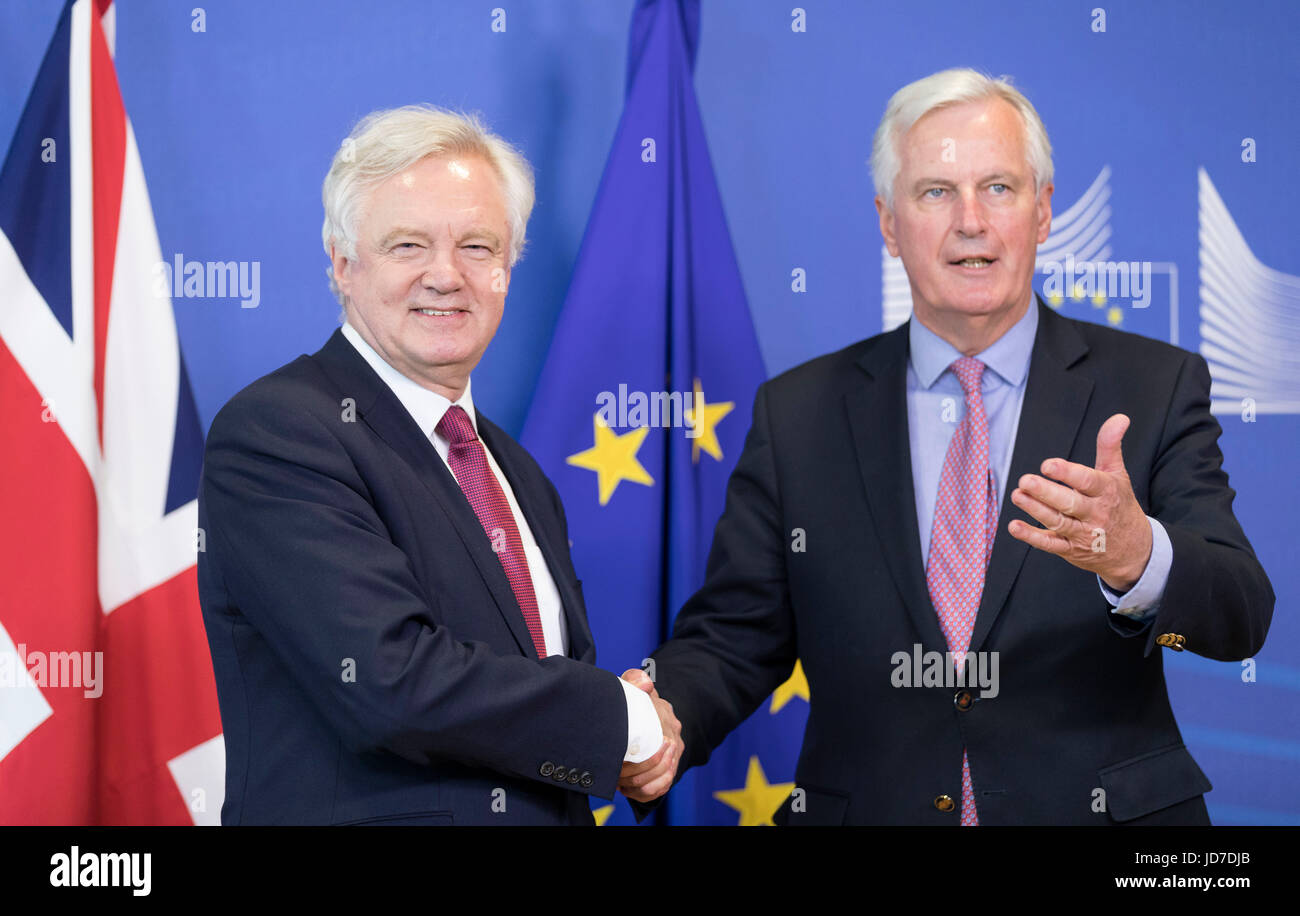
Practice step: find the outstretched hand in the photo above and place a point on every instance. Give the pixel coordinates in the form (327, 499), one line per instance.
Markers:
(1091, 518)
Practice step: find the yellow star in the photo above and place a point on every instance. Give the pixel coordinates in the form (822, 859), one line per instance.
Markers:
(602, 814)
(613, 458)
(703, 418)
(758, 801)
(795, 686)
(1115, 315)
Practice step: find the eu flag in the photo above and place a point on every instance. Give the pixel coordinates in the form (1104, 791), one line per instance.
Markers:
(645, 398)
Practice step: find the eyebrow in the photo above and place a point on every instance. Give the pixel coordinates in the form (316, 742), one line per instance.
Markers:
(1002, 177)
(486, 235)
(401, 231)
(476, 232)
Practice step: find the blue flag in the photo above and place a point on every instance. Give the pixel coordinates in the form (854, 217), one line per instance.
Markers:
(645, 399)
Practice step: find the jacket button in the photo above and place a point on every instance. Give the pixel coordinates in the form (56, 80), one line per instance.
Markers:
(587, 780)
(945, 803)
(560, 774)
(1171, 640)
(574, 776)
(547, 768)
(964, 700)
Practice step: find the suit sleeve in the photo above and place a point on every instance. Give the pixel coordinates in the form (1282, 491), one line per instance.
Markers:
(1217, 595)
(733, 642)
(304, 556)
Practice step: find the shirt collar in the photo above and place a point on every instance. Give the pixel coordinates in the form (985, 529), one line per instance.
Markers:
(1008, 356)
(425, 407)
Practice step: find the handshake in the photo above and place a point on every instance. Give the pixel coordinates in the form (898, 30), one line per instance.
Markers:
(651, 778)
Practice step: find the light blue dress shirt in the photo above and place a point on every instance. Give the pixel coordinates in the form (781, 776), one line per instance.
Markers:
(936, 404)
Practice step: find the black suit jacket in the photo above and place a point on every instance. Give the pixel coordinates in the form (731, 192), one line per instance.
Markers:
(372, 664)
(1082, 704)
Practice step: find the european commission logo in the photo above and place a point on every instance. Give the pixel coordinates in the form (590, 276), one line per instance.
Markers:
(1250, 317)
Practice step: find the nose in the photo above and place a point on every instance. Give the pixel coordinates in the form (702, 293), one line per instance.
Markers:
(969, 220)
(442, 275)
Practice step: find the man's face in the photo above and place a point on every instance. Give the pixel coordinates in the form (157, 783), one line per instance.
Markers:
(428, 285)
(966, 220)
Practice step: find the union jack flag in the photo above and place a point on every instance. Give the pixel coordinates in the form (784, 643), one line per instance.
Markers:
(108, 708)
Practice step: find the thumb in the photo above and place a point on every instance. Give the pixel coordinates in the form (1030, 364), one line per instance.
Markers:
(638, 678)
(1110, 457)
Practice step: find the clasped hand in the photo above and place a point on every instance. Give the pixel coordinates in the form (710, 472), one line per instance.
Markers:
(651, 778)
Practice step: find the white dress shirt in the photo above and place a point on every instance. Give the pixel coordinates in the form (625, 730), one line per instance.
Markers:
(427, 408)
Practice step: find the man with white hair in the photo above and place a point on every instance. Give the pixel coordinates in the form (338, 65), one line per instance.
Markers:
(396, 627)
(966, 665)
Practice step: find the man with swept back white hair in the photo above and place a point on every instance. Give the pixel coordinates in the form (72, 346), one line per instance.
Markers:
(396, 627)
(966, 665)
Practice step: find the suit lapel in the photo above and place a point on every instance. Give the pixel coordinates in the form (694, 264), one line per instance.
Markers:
(877, 416)
(540, 516)
(1053, 408)
(380, 409)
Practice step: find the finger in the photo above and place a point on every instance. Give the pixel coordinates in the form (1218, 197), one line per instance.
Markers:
(1079, 476)
(635, 769)
(1065, 500)
(1054, 520)
(1037, 537)
(641, 780)
(1110, 457)
(655, 784)
(638, 678)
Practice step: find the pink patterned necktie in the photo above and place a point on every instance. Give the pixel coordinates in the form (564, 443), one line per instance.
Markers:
(469, 463)
(961, 542)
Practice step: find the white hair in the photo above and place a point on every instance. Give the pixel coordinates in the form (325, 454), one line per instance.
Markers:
(384, 143)
(941, 90)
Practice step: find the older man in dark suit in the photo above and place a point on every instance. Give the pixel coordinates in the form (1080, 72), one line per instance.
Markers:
(966, 665)
(396, 627)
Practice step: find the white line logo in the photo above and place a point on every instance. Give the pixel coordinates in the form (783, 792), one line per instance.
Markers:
(1250, 317)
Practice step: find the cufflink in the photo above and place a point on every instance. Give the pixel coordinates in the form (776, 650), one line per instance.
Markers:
(1173, 641)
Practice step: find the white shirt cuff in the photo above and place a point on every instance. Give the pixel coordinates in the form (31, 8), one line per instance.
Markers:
(644, 734)
(1143, 599)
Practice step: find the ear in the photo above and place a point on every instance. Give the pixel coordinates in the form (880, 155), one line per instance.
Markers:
(1044, 206)
(887, 226)
(339, 266)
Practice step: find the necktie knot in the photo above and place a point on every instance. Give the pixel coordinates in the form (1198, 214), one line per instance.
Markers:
(455, 426)
(969, 371)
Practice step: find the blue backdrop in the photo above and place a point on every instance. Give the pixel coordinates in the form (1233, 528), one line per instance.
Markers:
(237, 123)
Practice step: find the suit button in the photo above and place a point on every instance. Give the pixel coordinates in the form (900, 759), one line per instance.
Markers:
(1171, 640)
(547, 768)
(574, 776)
(945, 803)
(587, 780)
(964, 700)
(560, 774)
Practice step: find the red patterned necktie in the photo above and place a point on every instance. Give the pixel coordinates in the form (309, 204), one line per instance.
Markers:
(469, 463)
(961, 542)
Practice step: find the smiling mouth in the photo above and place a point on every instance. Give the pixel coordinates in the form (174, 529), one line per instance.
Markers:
(438, 313)
(975, 263)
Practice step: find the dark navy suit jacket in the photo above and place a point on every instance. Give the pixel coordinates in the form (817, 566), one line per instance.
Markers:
(372, 664)
(1081, 730)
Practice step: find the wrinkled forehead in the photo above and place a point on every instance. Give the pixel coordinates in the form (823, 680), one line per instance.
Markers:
(983, 133)
(439, 187)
